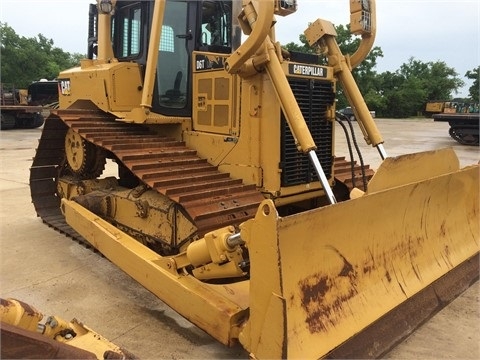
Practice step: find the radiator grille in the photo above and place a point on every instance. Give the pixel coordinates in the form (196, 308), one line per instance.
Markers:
(314, 97)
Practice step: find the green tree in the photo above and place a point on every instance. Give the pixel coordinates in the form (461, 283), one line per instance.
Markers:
(474, 75)
(24, 60)
(437, 79)
(405, 99)
(402, 93)
(388, 85)
(423, 82)
(405, 92)
(364, 74)
(303, 47)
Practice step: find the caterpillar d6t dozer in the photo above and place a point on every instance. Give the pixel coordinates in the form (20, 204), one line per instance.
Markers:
(230, 203)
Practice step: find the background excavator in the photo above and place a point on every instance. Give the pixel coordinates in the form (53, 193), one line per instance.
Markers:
(230, 203)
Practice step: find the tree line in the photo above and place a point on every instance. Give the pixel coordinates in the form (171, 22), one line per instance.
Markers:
(404, 92)
(397, 94)
(24, 60)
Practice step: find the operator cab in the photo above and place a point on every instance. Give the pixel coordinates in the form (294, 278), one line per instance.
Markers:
(188, 25)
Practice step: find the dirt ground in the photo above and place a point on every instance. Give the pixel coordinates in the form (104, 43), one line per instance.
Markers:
(58, 276)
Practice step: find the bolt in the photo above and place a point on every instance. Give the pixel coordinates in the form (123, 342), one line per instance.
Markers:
(51, 322)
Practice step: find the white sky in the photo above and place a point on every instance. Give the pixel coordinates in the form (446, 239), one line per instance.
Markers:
(428, 30)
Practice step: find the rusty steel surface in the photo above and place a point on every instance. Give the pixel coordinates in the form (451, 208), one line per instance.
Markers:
(27, 333)
(316, 287)
(210, 197)
(18, 343)
(380, 337)
(351, 276)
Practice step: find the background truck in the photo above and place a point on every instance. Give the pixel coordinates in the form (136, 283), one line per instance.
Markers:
(23, 108)
(227, 202)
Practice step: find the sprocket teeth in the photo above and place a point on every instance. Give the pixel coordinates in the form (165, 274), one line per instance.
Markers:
(84, 159)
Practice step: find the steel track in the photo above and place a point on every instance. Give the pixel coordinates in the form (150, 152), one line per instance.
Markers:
(211, 198)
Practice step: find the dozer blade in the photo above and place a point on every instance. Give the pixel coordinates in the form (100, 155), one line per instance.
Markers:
(351, 280)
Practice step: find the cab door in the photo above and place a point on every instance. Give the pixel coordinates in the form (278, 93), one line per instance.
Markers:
(214, 90)
(173, 79)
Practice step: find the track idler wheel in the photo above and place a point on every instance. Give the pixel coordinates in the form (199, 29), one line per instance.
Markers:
(84, 159)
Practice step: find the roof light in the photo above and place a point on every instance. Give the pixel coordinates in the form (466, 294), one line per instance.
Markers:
(105, 6)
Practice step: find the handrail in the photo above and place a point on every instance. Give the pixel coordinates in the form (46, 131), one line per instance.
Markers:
(259, 22)
(368, 39)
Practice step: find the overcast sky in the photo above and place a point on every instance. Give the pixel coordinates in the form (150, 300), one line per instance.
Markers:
(428, 30)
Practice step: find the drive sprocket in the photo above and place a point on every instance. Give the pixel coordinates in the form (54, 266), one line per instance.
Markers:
(84, 159)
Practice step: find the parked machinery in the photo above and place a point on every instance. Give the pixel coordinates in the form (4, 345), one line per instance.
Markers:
(22, 108)
(464, 123)
(227, 204)
(27, 334)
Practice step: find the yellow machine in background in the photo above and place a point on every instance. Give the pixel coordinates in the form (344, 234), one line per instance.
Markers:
(26, 336)
(229, 203)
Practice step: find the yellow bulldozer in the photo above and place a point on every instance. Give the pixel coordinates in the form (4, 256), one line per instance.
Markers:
(229, 201)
